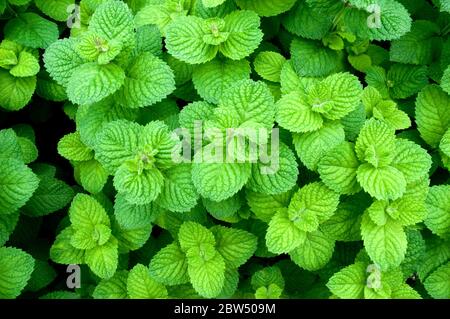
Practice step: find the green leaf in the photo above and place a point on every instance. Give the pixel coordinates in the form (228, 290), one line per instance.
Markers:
(147, 80)
(192, 234)
(56, 10)
(169, 266)
(311, 58)
(394, 21)
(311, 205)
(138, 188)
(207, 274)
(444, 146)
(315, 252)
(28, 150)
(72, 148)
(244, 34)
(417, 46)
(61, 60)
(112, 288)
(349, 282)
(438, 283)
(264, 206)
(224, 209)
(251, 100)
(116, 143)
(312, 147)
(376, 143)
(436, 254)
(184, 40)
(29, 29)
(405, 80)
(86, 213)
(294, 113)
(130, 216)
(16, 267)
(178, 193)
(17, 185)
(236, 246)
(386, 244)
(140, 285)
(277, 176)
(412, 160)
(282, 235)
(438, 207)
(93, 176)
(213, 78)
(410, 210)
(230, 284)
(42, 276)
(113, 20)
(7, 225)
(62, 252)
(445, 81)
(15, 93)
(212, 3)
(51, 196)
(131, 239)
(27, 65)
(432, 117)
(290, 81)
(9, 146)
(345, 224)
(338, 169)
(382, 182)
(307, 22)
(92, 82)
(344, 91)
(271, 292)
(266, 8)
(219, 181)
(267, 276)
(268, 65)
(83, 239)
(103, 260)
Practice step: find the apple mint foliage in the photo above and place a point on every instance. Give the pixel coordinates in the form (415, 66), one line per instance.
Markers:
(226, 149)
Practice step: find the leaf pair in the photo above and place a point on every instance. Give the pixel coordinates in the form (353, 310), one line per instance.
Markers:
(195, 40)
(330, 99)
(107, 60)
(296, 230)
(380, 163)
(88, 240)
(206, 258)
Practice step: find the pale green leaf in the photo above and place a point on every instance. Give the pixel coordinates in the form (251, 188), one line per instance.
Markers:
(103, 260)
(315, 252)
(312, 147)
(212, 79)
(169, 266)
(15, 93)
(140, 285)
(432, 116)
(236, 246)
(178, 193)
(282, 235)
(386, 244)
(438, 207)
(244, 34)
(92, 82)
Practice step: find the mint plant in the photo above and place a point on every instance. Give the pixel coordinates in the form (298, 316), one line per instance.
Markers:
(249, 149)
